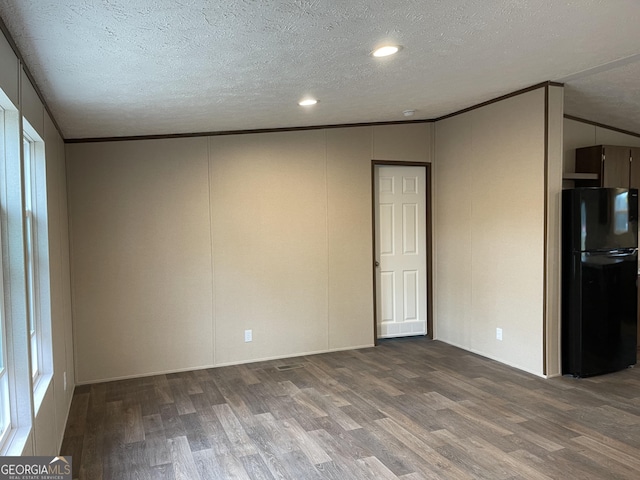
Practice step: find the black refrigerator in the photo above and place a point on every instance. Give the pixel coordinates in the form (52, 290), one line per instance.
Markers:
(599, 272)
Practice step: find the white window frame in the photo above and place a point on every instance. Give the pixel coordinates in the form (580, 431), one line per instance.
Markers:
(5, 398)
(31, 255)
(23, 399)
(36, 244)
(5, 405)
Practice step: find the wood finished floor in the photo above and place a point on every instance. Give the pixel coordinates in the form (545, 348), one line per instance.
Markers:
(409, 409)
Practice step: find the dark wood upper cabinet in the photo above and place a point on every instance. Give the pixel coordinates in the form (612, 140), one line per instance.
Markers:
(611, 163)
(616, 167)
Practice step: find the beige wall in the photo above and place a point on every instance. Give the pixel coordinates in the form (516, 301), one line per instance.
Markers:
(490, 217)
(141, 257)
(31, 107)
(270, 243)
(277, 239)
(180, 245)
(554, 231)
(10, 71)
(349, 235)
(49, 429)
(280, 225)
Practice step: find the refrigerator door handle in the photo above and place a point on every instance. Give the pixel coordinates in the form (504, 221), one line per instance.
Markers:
(613, 253)
(629, 253)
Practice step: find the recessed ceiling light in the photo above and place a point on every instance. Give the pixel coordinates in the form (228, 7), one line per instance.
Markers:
(307, 102)
(386, 50)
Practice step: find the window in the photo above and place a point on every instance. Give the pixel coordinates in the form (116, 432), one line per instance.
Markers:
(5, 411)
(26, 365)
(31, 253)
(36, 259)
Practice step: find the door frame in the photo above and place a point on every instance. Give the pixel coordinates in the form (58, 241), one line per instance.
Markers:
(428, 213)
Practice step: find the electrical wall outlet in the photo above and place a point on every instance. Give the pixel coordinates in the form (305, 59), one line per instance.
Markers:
(498, 334)
(248, 335)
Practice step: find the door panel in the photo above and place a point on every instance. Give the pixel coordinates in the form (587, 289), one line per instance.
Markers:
(386, 229)
(388, 296)
(401, 245)
(411, 296)
(410, 229)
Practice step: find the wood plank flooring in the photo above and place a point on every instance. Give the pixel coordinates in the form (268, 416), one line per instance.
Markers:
(409, 409)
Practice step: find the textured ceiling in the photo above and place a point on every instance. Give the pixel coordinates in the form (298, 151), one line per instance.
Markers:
(139, 67)
(609, 94)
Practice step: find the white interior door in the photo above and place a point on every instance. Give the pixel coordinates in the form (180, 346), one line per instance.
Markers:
(401, 250)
